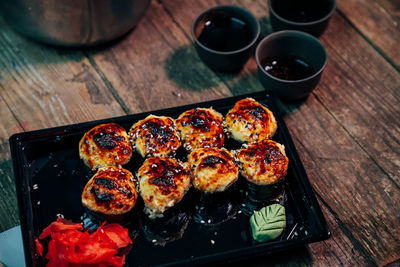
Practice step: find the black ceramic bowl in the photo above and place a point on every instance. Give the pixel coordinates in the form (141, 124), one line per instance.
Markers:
(291, 44)
(311, 16)
(225, 36)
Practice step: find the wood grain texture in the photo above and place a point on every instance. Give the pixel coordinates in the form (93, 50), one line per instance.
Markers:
(41, 87)
(156, 66)
(361, 90)
(378, 20)
(340, 249)
(46, 86)
(8, 201)
(352, 186)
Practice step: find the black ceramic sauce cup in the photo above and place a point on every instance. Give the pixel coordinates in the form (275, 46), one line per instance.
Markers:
(225, 37)
(311, 16)
(291, 44)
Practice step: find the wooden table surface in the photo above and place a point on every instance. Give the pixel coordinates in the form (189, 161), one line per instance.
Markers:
(347, 132)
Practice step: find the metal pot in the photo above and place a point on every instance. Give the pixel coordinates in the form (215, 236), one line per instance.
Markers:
(73, 22)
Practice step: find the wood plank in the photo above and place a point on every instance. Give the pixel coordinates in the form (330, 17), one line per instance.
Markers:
(156, 67)
(46, 86)
(379, 21)
(347, 180)
(340, 249)
(361, 90)
(8, 201)
(41, 87)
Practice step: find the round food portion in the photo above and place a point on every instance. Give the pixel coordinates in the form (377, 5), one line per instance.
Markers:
(249, 121)
(105, 145)
(201, 127)
(111, 191)
(263, 163)
(162, 183)
(212, 169)
(155, 136)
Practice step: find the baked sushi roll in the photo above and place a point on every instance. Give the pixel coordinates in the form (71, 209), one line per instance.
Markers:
(212, 169)
(213, 172)
(162, 183)
(264, 166)
(249, 121)
(201, 127)
(105, 145)
(111, 192)
(155, 136)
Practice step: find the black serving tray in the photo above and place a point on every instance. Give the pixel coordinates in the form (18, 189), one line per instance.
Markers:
(50, 177)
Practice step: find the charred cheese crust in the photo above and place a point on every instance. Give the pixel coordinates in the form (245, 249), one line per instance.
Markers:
(263, 163)
(105, 145)
(201, 127)
(162, 183)
(155, 136)
(111, 191)
(249, 121)
(212, 169)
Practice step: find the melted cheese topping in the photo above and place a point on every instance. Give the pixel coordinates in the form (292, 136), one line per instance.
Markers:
(155, 136)
(212, 169)
(249, 121)
(162, 183)
(263, 163)
(201, 127)
(105, 145)
(111, 191)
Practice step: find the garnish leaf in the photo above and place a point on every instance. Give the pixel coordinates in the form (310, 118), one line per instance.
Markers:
(268, 223)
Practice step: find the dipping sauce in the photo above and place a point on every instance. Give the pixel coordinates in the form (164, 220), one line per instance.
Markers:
(302, 10)
(287, 68)
(223, 32)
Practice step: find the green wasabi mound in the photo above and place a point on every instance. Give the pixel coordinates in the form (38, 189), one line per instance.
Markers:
(268, 223)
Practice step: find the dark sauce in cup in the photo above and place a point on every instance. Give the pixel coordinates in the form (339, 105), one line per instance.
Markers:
(302, 10)
(224, 32)
(287, 68)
